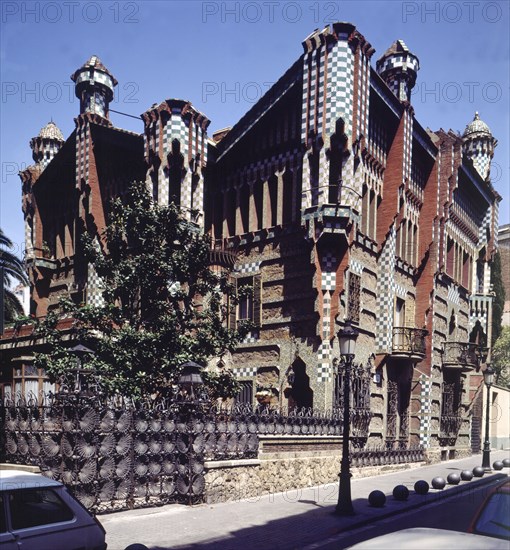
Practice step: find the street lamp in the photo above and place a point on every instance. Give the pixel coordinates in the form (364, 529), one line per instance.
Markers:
(81, 385)
(488, 377)
(189, 379)
(347, 337)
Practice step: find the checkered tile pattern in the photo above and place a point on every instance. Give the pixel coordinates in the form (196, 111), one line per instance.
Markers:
(425, 409)
(251, 267)
(306, 196)
(328, 284)
(193, 147)
(52, 147)
(244, 372)
(340, 86)
(400, 291)
(395, 66)
(328, 274)
(486, 224)
(29, 244)
(356, 267)
(386, 293)
(350, 181)
(324, 362)
(94, 288)
(326, 314)
(95, 76)
(82, 155)
(478, 315)
(479, 150)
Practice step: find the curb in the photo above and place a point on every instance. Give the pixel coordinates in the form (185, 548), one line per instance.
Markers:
(429, 498)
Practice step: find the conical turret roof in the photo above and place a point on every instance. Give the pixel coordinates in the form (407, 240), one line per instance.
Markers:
(93, 63)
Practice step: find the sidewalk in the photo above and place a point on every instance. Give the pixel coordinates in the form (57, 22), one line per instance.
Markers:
(293, 519)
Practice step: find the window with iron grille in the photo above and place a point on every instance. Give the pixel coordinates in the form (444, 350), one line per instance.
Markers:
(249, 307)
(245, 394)
(353, 300)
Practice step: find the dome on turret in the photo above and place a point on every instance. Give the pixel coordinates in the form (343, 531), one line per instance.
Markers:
(46, 144)
(478, 144)
(51, 131)
(476, 127)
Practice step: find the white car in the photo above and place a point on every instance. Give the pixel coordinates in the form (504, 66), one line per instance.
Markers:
(37, 513)
(428, 538)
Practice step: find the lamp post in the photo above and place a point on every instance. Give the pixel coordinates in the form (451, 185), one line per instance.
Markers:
(347, 337)
(488, 377)
(189, 379)
(81, 385)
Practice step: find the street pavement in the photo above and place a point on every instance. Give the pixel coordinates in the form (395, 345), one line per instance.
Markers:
(294, 519)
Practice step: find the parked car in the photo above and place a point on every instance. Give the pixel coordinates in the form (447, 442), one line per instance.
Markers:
(493, 517)
(427, 538)
(38, 513)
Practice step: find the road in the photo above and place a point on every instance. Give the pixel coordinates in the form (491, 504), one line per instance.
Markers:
(453, 513)
(156, 529)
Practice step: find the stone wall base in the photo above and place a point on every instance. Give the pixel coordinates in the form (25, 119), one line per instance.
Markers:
(439, 454)
(242, 479)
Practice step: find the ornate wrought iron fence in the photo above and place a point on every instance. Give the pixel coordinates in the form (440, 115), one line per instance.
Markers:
(121, 454)
(379, 456)
(113, 455)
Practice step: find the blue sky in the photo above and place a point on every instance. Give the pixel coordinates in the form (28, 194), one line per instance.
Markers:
(224, 55)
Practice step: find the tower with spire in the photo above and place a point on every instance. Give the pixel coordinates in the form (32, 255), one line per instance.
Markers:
(398, 67)
(47, 144)
(478, 144)
(94, 87)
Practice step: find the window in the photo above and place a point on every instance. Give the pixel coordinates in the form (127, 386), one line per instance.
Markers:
(33, 507)
(353, 308)
(249, 307)
(245, 394)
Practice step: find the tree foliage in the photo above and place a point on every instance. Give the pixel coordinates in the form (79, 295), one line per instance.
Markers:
(12, 268)
(501, 358)
(498, 303)
(163, 305)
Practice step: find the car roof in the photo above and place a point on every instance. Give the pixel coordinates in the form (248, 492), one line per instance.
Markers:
(425, 538)
(504, 487)
(19, 479)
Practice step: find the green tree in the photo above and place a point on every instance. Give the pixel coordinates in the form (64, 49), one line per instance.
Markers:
(11, 267)
(498, 303)
(501, 358)
(163, 305)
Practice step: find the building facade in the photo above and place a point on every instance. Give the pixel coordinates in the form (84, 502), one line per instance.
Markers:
(332, 202)
(504, 251)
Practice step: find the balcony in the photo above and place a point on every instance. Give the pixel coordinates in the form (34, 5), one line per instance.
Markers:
(460, 355)
(409, 343)
(334, 209)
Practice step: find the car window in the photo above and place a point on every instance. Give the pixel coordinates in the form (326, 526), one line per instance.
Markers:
(33, 507)
(3, 523)
(495, 517)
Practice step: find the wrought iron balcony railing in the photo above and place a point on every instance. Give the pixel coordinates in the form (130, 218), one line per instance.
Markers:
(460, 355)
(409, 342)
